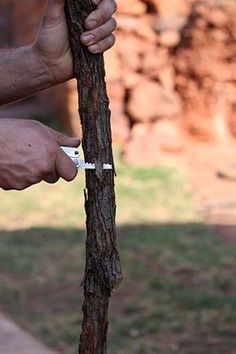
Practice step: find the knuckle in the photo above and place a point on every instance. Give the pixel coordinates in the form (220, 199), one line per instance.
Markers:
(111, 40)
(33, 180)
(6, 187)
(106, 44)
(98, 34)
(19, 186)
(51, 179)
(51, 151)
(11, 186)
(104, 15)
(113, 5)
(35, 123)
(114, 23)
(50, 146)
(107, 10)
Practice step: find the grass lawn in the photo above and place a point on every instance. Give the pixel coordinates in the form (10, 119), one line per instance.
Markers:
(179, 291)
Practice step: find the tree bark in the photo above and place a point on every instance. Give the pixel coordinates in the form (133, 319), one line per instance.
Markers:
(102, 271)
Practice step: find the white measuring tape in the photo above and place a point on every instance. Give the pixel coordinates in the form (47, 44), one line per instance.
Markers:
(74, 154)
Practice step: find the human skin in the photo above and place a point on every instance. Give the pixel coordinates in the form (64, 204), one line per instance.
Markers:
(29, 151)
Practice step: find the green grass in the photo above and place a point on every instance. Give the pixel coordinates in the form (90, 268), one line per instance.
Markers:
(179, 289)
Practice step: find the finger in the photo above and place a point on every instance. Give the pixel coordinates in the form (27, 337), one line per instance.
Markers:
(51, 178)
(102, 14)
(55, 8)
(18, 186)
(99, 33)
(103, 45)
(65, 167)
(64, 140)
(96, 2)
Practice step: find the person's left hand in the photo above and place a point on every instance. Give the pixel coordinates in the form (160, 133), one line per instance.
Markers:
(52, 44)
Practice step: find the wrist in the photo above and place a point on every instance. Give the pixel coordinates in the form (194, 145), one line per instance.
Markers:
(58, 66)
(44, 75)
(22, 74)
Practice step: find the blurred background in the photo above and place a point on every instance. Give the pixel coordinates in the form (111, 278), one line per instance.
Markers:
(172, 84)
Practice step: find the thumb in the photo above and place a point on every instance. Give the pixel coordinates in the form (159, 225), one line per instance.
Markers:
(65, 167)
(64, 140)
(54, 11)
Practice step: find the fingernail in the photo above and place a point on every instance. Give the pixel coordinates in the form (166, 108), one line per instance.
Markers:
(88, 38)
(96, 2)
(92, 24)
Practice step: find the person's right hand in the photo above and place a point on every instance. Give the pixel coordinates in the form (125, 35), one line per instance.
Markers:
(30, 152)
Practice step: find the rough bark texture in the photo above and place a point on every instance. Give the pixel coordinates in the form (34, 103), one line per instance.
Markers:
(103, 271)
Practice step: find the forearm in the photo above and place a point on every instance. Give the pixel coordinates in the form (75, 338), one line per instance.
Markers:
(22, 73)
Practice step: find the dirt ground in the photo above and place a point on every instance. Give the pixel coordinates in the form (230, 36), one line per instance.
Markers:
(212, 172)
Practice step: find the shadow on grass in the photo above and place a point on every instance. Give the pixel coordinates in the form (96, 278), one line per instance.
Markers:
(178, 294)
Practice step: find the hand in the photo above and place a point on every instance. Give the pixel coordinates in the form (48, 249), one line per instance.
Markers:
(52, 44)
(30, 152)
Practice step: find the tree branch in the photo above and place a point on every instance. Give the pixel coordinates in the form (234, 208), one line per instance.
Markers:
(103, 271)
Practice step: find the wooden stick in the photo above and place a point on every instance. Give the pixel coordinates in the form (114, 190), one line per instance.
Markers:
(103, 271)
